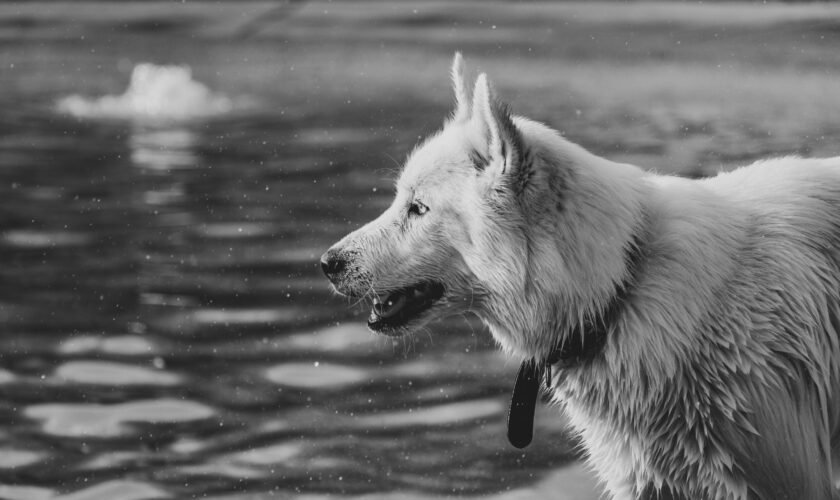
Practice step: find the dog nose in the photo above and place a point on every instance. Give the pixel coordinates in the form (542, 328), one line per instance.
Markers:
(332, 264)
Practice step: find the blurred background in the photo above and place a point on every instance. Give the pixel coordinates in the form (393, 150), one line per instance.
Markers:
(170, 173)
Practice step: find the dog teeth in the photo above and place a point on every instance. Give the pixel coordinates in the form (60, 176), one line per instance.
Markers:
(391, 306)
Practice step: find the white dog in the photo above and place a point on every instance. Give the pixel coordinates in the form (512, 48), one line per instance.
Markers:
(690, 328)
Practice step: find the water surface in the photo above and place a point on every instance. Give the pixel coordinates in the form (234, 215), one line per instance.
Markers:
(166, 331)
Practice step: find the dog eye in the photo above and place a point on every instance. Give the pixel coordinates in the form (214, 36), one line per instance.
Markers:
(417, 208)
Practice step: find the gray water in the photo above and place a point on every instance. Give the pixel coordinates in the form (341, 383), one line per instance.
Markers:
(166, 331)
(164, 327)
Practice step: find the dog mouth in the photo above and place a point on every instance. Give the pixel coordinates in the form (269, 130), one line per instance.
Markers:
(399, 307)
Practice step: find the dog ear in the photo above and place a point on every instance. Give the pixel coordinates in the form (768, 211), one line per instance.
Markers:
(462, 100)
(500, 140)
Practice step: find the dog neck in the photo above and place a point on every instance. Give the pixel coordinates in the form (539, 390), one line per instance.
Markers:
(569, 353)
(593, 332)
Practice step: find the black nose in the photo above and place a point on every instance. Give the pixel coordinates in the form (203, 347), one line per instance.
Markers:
(332, 264)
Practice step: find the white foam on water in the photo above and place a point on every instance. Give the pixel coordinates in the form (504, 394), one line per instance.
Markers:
(154, 94)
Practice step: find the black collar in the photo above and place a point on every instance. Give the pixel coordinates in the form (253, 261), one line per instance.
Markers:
(592, 338)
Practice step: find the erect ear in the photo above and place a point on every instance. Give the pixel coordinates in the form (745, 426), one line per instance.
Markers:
(500, 143)
(462, 100)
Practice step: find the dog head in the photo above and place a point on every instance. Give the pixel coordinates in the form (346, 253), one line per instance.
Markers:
(427, 254)
(478, 225)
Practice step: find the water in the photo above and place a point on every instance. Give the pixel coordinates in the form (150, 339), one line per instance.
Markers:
(166, 331)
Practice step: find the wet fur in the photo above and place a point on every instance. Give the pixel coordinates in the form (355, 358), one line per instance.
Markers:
(719, 376)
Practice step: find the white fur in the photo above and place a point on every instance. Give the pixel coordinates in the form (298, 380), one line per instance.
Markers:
(719, 379)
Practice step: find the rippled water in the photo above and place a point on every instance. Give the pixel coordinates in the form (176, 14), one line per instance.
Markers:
(167, 332)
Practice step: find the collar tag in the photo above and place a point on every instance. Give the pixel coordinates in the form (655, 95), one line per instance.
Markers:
(523, 403)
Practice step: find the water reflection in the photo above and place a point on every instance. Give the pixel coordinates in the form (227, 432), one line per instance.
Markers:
(317, 375)
(11, 492)
(122, 489)
(163, 149)
(104, 421)
(44, 239)
(6, 376)
(169, 334)
(268, 455)
(112, 373)
(11, 458)
(126, 345)
(447, 414)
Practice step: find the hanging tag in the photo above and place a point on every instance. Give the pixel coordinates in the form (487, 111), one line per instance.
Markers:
(523, 403)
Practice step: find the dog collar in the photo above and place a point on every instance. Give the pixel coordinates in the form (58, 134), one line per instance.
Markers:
(593, 337)
(523, 401)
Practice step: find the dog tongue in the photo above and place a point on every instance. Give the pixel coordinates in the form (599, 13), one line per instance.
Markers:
(391, 306)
